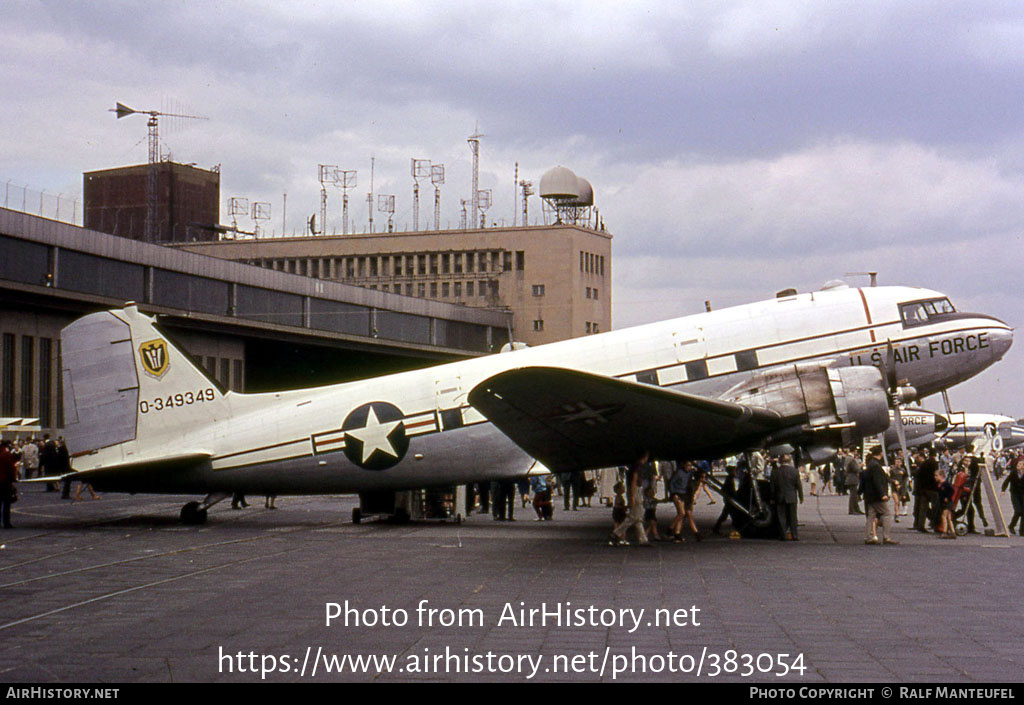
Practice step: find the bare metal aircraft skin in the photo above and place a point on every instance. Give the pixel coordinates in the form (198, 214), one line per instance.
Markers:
(799, 370)
(920, 427)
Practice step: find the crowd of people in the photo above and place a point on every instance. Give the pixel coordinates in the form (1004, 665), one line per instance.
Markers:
(940, 488)
(31, 458)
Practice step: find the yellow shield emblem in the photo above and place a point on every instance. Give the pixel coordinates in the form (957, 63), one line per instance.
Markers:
(154, 357)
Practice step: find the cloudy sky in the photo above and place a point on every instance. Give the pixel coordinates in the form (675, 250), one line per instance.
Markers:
(735, 148)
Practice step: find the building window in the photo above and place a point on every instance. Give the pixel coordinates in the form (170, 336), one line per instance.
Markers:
(421, 290)
(469, 289)
(538, 290)
(470, 261)
(444, 290)
(507, 262)
(520, 260)
(538, 325)
(458, 290)
(457, 263)
(433, 264)
(397, 260)
(28, 349)
(588, 326)
(433, 290)
(446, 264)
(45, 384)
(595, 328)
(588, 292)
(408, 289)
(385, 287)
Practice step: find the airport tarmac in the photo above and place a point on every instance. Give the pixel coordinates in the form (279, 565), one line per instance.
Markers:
(116, 591)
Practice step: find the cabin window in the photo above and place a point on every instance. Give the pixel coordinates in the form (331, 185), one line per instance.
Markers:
(647, 377)
(746, 360)
(696, 369)
(917, 313)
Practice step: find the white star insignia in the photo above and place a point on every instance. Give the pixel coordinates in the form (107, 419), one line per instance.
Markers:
(374, 436)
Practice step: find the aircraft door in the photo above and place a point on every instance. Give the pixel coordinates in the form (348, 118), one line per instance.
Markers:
(450, 402)
(691, 349)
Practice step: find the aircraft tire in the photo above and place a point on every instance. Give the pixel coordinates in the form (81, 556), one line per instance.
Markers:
(192, 515)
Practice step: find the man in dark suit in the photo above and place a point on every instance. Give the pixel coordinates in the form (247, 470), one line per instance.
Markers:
(926, 490)
(876, 498)
(786, 490)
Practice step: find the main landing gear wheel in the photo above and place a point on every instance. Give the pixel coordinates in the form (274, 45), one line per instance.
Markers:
(762, 522)
(193, 515)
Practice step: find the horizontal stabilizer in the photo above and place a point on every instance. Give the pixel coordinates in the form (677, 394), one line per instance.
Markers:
(148, 475)
(571, 420)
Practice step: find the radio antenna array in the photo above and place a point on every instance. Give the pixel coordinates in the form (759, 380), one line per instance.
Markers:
(122, 110)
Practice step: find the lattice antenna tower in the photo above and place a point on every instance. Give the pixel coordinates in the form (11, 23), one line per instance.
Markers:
(437, 178)
(260, 212)
(386, 204)
(369, 196)
(327, 174)
(237, 207)
(474, 146)
(484, 200)
(345, 179)
(420, 170)
(528, 191)
(122, 110)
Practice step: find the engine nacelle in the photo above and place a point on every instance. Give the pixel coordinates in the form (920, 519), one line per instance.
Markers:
(843, 404)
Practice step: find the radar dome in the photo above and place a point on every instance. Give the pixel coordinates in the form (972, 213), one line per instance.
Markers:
(559, 183)
(586, 194)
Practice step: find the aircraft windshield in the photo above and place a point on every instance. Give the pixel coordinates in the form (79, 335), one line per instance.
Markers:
(918, 313)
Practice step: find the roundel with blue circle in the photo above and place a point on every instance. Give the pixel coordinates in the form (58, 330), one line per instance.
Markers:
(375, 436)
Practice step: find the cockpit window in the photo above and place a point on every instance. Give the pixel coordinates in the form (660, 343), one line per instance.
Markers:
(918, 313)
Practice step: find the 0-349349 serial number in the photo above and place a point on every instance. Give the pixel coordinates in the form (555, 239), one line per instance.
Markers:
(175, 400)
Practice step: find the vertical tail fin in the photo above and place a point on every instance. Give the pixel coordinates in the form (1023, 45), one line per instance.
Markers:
(124, 382)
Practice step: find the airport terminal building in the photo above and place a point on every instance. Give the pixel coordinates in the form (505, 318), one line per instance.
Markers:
(554, 279)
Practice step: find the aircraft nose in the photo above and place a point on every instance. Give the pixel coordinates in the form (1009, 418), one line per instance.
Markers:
(1001, 339)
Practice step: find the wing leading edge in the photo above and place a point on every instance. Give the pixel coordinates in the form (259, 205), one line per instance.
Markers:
(571, 420)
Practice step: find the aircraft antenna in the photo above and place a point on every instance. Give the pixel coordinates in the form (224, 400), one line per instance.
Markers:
(873, 276)
(122, 110)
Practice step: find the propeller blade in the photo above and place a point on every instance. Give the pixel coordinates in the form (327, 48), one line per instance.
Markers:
(890, 366)
(901, 435)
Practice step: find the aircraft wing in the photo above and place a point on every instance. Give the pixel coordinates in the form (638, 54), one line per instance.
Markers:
(571, 420)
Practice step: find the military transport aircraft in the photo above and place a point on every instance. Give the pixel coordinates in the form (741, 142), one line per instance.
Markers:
(920, 427)
(810, 370)
(965, 428)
